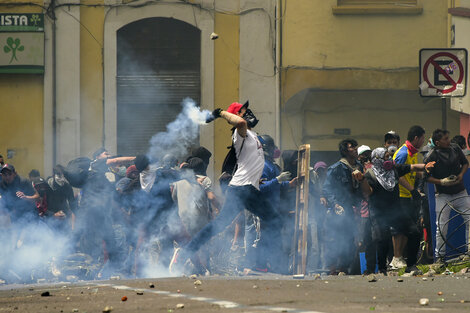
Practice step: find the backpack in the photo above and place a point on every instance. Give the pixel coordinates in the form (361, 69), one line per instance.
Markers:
(229, 167)
(76, 171)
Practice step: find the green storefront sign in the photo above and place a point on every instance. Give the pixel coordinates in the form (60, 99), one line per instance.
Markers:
(22, 43)
(27, 22)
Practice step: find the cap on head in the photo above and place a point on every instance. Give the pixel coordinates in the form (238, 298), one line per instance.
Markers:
(363, 149)
(267, 142)
(391, 135)
(235, 107)
(8, 167)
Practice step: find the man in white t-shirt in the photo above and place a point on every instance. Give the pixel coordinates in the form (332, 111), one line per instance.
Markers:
(243, 190)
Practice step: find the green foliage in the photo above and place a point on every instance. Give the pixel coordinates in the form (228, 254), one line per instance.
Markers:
(458, 267)
(423, 268)
(401, 271)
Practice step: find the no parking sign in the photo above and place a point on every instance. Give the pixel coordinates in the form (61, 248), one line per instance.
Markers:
(443, 72)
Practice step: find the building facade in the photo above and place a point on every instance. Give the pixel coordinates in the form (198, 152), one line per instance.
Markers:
(314, 71)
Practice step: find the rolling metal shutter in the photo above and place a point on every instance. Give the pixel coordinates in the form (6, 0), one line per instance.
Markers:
(158, 66)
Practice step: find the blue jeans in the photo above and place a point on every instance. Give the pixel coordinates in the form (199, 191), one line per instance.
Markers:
(237, 199)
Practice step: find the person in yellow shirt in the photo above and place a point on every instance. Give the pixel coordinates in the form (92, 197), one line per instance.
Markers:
(409, 196)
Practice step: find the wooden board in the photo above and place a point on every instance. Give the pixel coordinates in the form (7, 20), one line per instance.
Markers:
(301, 211)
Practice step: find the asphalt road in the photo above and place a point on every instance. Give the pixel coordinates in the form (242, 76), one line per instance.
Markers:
(244, 294)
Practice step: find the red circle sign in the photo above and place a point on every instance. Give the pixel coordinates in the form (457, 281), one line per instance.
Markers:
(432, 60)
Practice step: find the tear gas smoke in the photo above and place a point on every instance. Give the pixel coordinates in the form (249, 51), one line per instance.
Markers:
(181, 134)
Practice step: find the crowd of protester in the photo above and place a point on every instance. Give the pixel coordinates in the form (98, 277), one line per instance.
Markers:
(113, 208)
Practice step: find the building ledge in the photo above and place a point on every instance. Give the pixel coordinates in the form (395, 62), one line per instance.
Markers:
(376, 10)
(459, 11)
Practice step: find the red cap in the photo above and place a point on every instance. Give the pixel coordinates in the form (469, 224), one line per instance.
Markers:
(234, 108)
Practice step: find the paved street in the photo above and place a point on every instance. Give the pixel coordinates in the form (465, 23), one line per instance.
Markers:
(246, 294)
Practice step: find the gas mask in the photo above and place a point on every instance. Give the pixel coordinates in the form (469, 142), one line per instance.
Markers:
(250, 118)
(59, 179)
(392, 149)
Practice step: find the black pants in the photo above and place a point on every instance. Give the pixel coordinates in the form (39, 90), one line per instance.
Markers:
(414, 236)
(237, 199)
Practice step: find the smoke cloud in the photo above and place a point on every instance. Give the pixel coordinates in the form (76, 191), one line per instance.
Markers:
(181, 134)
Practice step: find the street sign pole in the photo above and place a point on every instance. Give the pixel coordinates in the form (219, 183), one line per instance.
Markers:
(444, 112)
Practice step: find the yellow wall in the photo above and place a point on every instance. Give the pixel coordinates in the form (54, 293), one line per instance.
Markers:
(227, 56)
(91, 78)
(21, 121)
(21, 112)
(370, 54)
(313, 36)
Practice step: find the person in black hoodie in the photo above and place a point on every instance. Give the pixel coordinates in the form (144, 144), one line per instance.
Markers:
(447, 175)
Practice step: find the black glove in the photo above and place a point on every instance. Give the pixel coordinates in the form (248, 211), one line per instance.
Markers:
(416, 195)
(215, 114)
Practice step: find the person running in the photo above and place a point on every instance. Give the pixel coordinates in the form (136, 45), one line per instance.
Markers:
(243, 190)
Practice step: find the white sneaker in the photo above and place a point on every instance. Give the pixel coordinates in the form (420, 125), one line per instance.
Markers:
(397, 263)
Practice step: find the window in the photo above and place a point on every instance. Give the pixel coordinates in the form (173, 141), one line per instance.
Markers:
(377, 7)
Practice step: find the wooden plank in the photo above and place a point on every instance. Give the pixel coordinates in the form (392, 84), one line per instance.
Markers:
(301, 211)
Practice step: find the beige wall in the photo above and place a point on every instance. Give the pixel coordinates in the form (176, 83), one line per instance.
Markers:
(91, 79)
(356, 71)
(226, 80)
(21, 113)
(313, 116)
(313, 36)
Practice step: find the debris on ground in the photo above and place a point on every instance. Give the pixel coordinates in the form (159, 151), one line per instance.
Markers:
(439, 293)
(197, 283)
(194, 276)
(180, 306)
(124, 298)
(151, 286)
(46, 294)
(341, 274)
(317, 277)
(107, 309)
(178, 291)
(255, 287)
(424, 301)
(140, 293)
(400, 280)
(371, 278)
(299, 276)
(75, 310)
